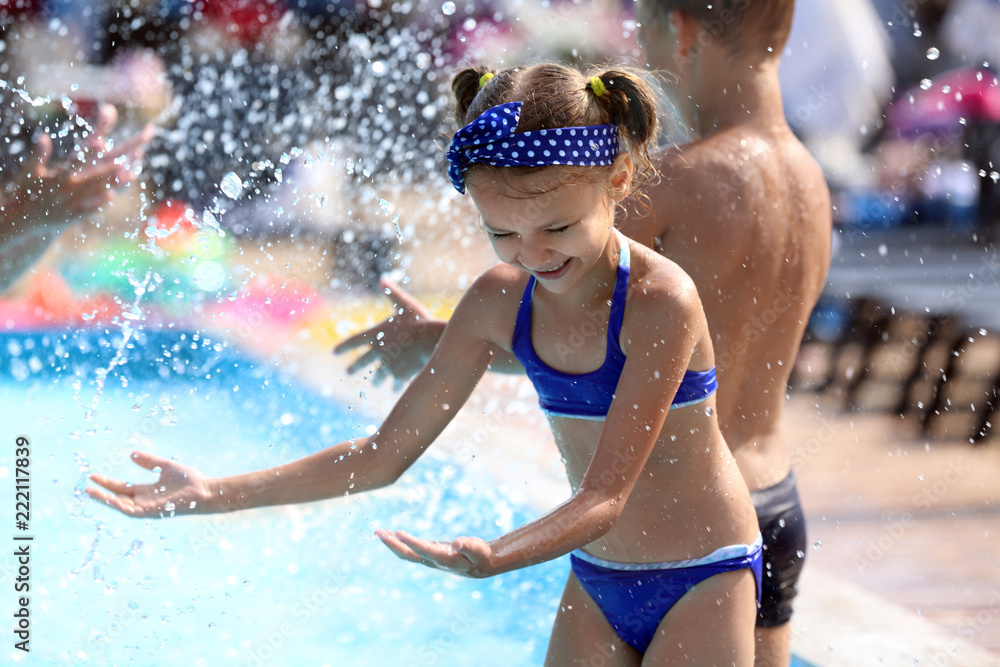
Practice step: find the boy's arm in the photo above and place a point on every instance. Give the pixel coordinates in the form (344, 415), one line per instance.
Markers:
(403, 343)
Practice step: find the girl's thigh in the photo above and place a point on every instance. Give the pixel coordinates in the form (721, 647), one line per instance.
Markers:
(582, 637)
(712, 625)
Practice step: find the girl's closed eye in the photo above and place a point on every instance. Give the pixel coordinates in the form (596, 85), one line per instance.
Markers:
(498, 235)
(558, 230)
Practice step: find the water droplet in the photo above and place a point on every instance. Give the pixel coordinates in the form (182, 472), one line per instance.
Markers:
(800, 554)
(709, 411)
(817, 544)
(883, 250)
(933, 53)
(231, 185)
(448, 8)
(926, 84)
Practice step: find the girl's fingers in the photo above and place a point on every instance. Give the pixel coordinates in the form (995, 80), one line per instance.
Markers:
(472, 549)
(124, 506)
(149, 461)
(113, 485)
(436, 552)
(397, 547)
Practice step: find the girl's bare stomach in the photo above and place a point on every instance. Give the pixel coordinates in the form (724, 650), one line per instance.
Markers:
(688, 501)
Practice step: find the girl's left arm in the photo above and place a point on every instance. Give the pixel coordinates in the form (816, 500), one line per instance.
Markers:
(660, 347)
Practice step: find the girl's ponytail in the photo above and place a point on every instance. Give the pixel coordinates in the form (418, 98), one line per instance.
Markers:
(629, 101)
(466, 86)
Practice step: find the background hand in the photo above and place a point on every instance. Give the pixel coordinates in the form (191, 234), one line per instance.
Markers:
(179, 490)
(465, 556)
(63, 192)
(401, 344)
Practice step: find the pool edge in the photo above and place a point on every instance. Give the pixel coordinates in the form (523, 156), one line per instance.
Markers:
(838, 623)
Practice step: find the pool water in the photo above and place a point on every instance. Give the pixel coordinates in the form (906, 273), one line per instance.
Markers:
(298, 586)
(306, 585)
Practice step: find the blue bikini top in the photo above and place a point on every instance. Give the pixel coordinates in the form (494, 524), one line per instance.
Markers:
(589, 395)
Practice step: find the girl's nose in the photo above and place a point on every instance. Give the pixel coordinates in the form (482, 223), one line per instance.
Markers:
(533, 257)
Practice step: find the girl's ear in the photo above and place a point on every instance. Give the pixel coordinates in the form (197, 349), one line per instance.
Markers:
(620, 182)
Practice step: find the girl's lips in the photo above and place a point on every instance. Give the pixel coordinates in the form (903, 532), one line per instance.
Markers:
(553, 274)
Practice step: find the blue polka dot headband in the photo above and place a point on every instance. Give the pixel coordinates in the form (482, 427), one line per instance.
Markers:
(490, 139)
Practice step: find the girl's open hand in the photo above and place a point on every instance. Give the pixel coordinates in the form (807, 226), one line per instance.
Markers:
(179, 490)
(465, 556)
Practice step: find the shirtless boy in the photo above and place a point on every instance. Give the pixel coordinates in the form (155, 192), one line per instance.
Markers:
(744, 209)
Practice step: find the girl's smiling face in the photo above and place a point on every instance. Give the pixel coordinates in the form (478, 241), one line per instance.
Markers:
(555, 222)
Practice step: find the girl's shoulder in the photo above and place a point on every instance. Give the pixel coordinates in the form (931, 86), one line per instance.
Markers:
(656, 280)
(491, 302)
(499, 288)
(501, 278)
(662, 304)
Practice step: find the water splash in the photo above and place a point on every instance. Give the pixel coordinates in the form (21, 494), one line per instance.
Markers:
(130, 317)
(79, 511)
(231, 186)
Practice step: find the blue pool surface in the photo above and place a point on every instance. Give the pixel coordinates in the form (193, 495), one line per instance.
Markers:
(307, 585)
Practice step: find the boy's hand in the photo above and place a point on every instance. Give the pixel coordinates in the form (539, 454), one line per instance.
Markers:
(400, 345)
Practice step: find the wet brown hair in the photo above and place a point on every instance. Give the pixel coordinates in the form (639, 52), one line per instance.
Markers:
(556, 95)
(749, 28)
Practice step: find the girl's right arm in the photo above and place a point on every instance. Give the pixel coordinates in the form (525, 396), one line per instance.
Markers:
(422, 412)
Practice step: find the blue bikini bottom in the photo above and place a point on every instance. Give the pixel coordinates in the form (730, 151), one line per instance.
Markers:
(636, 596)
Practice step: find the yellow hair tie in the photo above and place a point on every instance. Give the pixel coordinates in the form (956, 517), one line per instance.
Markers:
(484, 79)
(597, 85)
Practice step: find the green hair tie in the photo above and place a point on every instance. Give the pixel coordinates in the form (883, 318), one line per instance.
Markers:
(597, 85)
(484, 79)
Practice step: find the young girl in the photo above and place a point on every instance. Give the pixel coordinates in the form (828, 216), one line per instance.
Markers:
(664, 539)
